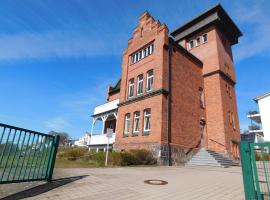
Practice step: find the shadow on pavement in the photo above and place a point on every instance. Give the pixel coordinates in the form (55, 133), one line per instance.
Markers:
(43, 188)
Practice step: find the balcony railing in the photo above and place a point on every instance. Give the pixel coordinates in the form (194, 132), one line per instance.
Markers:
(101, 139)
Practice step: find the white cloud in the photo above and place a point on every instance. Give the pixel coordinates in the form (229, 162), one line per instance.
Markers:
(255, 40)
(57, 124)
(31, 45)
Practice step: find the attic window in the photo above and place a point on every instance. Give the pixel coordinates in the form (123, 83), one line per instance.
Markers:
(141, 54)
(198, 41)
(191, 44)
(205, 38)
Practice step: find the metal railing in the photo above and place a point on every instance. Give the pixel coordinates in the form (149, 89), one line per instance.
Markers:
(26, 155)
(255, 159)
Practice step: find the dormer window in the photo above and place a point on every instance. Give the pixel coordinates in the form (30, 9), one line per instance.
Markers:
(204, 38)
(141, 54)
(191, 44)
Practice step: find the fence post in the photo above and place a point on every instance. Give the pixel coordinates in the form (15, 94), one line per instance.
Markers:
(249, 187)
(53, 157)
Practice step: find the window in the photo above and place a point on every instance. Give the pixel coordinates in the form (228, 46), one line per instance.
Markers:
(131, 88)
(198, 41)
(140, 85)
(233, 123)
(205, 38)
(127, 124)
(191, 44)
(147, 119)
(136, 57)
(230, 92)
(150, 80)
(136, 122)
(201, 98)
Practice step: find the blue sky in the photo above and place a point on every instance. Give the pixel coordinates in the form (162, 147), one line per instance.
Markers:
(57, 57)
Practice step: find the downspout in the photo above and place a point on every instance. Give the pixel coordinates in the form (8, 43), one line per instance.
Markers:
(169, 106)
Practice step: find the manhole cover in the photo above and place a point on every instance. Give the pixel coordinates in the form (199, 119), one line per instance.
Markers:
(156, 182)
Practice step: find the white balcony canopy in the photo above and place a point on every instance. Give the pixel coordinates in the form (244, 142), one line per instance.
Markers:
(107, 107)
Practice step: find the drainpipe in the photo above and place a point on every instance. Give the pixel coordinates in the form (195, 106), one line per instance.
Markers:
(169, 105)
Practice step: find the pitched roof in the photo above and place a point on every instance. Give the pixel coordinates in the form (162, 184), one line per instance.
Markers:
(116, 88)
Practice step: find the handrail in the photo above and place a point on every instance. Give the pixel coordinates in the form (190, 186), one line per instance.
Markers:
(190, 148)
(217, 142)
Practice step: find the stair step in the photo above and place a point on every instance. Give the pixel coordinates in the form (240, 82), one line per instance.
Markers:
(211, 158)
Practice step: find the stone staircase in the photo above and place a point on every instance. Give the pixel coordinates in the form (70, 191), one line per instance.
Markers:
(211, 158)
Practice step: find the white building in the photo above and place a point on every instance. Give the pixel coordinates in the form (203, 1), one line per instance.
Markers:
(83, 141)
(263, 117)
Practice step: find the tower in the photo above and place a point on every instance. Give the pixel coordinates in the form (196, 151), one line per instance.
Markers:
(210, 37)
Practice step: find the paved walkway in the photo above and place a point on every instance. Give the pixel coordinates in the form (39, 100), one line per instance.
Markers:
(200, 183)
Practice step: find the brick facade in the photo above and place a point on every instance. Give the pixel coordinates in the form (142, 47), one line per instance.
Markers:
(192, 101)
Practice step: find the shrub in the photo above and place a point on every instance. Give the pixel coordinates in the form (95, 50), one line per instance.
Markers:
(115, 159)
(72, 153)
(143, 157)
(126, 158)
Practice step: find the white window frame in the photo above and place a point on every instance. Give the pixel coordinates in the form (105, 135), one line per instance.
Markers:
(127, 124)
(136, 122)
(145, 117)
(131, 86)
(141, 54)
(140, 81)
(148, 78)
(203, 38)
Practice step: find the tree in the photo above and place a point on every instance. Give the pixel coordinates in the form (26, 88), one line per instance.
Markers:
(63, 137)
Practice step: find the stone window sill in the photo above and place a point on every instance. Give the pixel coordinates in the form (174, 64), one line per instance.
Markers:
(145, 133)
(125, 135)
(135, 134)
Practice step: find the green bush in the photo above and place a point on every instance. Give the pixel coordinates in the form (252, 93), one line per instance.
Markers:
(262, 156)
(126, 158)
(143, 157)
(72, 153)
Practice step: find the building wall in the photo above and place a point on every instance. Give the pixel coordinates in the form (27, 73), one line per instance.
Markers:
(113, 96)
(186, 111)
(140, 141)
(216, 55)
(147, 32)
(264, 106)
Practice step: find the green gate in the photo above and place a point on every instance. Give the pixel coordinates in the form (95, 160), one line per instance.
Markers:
(26, 155)
(255, 159)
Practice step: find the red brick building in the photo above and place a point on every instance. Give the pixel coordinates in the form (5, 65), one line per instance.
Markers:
(177, 90)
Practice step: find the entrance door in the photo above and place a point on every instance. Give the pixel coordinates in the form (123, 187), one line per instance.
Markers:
(202, 133)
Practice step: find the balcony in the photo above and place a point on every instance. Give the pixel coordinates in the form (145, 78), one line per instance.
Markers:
(97, 140)
(255, 116)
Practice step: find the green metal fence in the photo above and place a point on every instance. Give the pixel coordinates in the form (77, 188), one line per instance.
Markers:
(255, 159)
(26, 155)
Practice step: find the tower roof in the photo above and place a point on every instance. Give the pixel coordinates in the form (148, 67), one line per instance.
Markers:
(214, 16)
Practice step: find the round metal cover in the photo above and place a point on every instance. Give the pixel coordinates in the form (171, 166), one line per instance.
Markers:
(156, 182)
